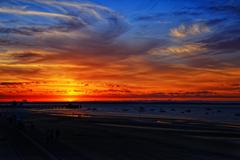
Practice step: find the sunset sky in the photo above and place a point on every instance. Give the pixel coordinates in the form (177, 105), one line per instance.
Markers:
(75, 50)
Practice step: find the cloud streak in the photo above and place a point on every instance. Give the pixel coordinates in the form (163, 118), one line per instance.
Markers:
(187, 49)
(33, 13)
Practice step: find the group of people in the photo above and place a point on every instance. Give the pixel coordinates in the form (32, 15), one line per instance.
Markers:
(52, 135)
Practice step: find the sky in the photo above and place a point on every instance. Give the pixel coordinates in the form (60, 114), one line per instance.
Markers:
(78, 50)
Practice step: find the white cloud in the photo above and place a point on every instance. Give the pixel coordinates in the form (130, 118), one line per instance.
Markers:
(191, 30)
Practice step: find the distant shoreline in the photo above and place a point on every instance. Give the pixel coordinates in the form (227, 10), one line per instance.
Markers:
(124, 102)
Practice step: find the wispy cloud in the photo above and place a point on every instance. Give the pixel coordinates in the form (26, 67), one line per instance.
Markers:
(65, 26)
(32, 13)
(230, 7)
(186, 49)
(189, 30)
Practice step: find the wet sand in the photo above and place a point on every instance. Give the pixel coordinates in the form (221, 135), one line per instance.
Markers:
(103, 138)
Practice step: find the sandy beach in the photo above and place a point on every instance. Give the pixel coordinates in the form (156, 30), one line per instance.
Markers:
(85, 135)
